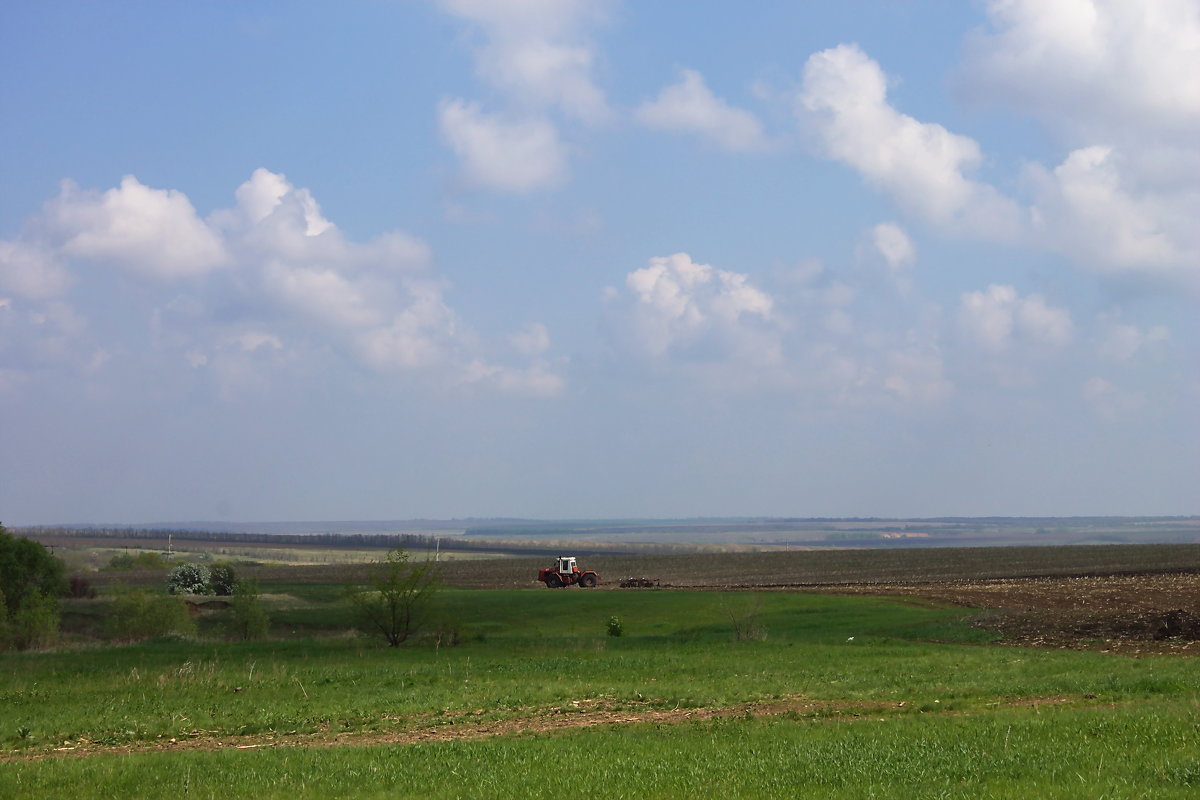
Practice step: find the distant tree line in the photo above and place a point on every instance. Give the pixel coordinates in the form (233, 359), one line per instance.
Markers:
(373, 540)
(410, 542)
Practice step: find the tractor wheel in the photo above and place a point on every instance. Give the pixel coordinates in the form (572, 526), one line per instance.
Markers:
(554, 582)
(587, 581)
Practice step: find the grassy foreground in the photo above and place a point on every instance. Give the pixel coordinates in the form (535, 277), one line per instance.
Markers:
(900, 714)
(1150, 752)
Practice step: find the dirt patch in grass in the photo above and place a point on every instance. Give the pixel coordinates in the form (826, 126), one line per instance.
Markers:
(480, 724)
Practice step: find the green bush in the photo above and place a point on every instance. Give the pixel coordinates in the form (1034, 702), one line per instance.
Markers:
(34, 623)
(190, 579)
(140, 614)
(222, 580)
(249, 619)
(615, 627)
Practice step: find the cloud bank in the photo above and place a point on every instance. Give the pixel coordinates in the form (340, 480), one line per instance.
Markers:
(298, 285)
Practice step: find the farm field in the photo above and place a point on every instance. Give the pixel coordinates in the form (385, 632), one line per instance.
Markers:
(777, 570)
(894, 684)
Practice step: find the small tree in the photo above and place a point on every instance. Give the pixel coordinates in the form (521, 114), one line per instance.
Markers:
(189, 579)
(249, 620)
(402, 593)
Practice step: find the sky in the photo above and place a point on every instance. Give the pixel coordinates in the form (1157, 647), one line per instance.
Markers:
(598, 259)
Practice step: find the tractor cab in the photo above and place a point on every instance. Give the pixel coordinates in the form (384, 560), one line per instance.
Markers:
(566, 565)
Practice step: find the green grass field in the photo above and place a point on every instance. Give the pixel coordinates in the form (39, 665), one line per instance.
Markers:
(875, 697)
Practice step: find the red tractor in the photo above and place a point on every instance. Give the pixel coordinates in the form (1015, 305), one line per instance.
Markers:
(566, 573)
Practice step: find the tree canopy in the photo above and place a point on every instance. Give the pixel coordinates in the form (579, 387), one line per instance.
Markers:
(27, 569)
(31, 579)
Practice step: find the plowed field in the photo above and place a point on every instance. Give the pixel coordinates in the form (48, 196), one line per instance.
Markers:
(1131, 614)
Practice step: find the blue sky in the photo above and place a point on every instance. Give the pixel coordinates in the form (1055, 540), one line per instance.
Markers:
(373, 260)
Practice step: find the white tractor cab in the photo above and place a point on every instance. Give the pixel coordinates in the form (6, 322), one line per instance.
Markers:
(567, 565)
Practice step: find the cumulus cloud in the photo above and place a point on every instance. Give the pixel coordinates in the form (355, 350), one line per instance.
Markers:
(689, 106)
(291, 283)
(154, 232)
(1119, 82)
(1098, 67)
(538, 54)
(539, 379)
(893, 245)
(998, 317)
(1121, 341)
(532, 340)
(504, 153)
(822, 341)
(923, 166)
(538, 51)
(916, 373)
(36, 337)
(1084, 210)
(679, 306)
(261, 197)
(31, 271)
(1110, 401)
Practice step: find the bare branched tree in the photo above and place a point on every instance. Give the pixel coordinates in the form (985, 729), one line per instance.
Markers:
(743, 617)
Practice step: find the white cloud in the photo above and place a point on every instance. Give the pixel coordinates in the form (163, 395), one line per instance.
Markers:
(325, 295)
(288, 272)
(1110, 401)
(537, 51)
(154, 232)
(519, 155)
(1098, 67)
(690, 107)
(39, 337)
(998, 317)
(537, 380)
(1120, 341)
(677, 305)
(894, 246)
(532, 340)
(31, 271)
(1119, 82)
(1084, 211)
(916, 373)
(262, 195)
(923, 166)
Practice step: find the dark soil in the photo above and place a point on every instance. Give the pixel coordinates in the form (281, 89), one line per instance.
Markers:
(1130, 614)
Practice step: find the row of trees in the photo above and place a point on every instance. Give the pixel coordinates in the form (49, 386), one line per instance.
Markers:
(396, 604)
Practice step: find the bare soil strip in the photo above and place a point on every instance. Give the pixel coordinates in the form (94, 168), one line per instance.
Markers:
(472, 726)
